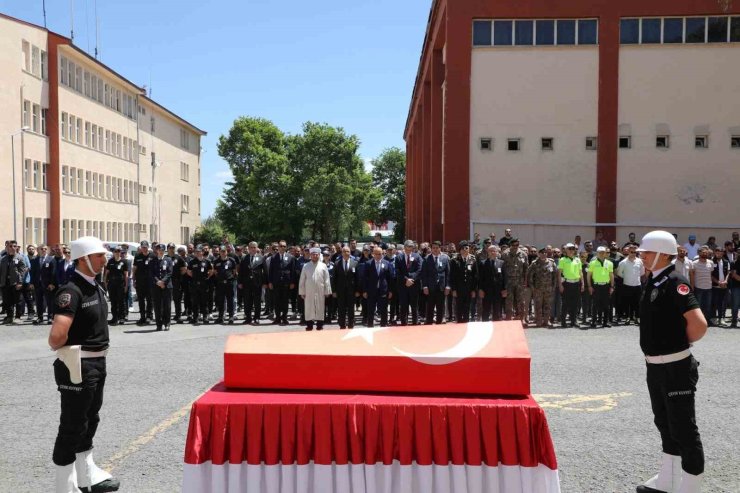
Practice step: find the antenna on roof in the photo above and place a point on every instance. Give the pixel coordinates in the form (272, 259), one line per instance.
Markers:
(43, 5)
(97, 30)
(72, 20)
(87, 26)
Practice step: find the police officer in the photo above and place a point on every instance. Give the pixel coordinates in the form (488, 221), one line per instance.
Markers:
(79, 334)
(570, 284)
(143, 282)
(200, 270)
(252, 279)
(116, 282)
(601, 286)
(670, 321)
(161, 274)
(179, 266)
(225, 268)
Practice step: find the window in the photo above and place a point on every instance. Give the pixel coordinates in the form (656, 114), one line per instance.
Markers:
(735, 142)
(118, 145)
(26, 49)
(142, 150)
(100, 139)
(524, 33)
(673, 30)
(107, 94)
(26, 113)
(78, 79)
(486, 144)
(717, 30)
(650, 31)
(80, 228)
(545, 32)
(118, 100)
(587, 32)
(735, 30)
(185, 170)
(44, 114)
(71, 74)
(65, 231)
(481, 33)
(566, 32)
(36, 121)
(94, 184)
(73, 180)
(26, 173)
(36, 184)
(701, 142)
(94, 139)
(107, 188)
(662, 142)
(101, 187)
(125, 190)
(65, 174)
(64, 125)
(88, 183)
(94, 87)
(63, 72)
(185, 202)
(120, 189)
(547, 144)
(185, 234)
(87, 134)
(625, 142)
(44, 177)
(184, 139)
(44, 65)
(87, 83)
(125, 148)
(107, 141)
(80, 189)
(502, 33)
(696, 29)
(629, 31)
(35, 61)
(152, 123)
(514, 144)
(115, 188)
(100, 91)
(78, 124)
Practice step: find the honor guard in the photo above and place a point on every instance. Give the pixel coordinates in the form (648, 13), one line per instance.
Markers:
(464, 281)
(79, 335)
(116, 282)
(670, 321)
(161, 288)
(199, 271)
(225, 268)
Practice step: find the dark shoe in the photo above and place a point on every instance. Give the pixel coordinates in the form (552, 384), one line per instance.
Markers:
(606, 326)
(159, 327)
(111, 484)
(219, 320)
(166, 327)
(36, 321)
(113, 323)
(196, 323)
(647, 489)
(583, 327)
(256, 322)
(246, 322)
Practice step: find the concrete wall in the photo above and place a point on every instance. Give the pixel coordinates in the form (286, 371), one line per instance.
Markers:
(531, 93)
(681, 91)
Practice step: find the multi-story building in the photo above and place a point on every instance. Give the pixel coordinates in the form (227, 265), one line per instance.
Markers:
(560, 118)
(86, 151)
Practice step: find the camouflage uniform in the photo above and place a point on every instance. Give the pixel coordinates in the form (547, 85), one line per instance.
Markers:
(515, 265)
(542, 277)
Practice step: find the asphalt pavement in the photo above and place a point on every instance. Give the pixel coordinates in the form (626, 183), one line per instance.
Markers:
(590, 383)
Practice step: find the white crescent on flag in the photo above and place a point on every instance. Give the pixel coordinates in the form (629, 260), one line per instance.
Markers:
(477, 336)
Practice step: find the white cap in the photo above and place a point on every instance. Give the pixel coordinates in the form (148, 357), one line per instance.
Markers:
(315, 250)
(569, 245)
(659, 242)
(602, 249)
(87, 245)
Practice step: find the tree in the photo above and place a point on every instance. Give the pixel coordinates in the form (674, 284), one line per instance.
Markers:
(389, 177)
(210, 231)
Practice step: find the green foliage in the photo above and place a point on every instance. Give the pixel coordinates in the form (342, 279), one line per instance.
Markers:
(292, 187)
(389, 177)
(210, 231)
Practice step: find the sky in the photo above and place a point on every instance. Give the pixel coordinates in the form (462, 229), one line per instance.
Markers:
(348, 63)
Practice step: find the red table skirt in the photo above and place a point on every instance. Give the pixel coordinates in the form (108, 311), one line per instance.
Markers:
(323, 443)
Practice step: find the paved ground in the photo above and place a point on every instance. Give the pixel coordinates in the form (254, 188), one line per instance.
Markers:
(591, 384)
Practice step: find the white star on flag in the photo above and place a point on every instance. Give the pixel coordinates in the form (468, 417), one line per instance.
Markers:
(366, 334)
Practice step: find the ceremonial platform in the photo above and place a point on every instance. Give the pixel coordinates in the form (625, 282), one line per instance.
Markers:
(424, 409)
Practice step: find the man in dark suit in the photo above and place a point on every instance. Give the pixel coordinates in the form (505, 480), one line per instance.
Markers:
(464, 281)
(37, 264)
(282, 281)
(492, 284)
(47, 279)
(435, 281)
(377, 280)
(408, 270)
(252, 279)
(345, 288)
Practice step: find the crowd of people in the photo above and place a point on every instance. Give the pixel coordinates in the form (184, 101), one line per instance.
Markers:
(580, 284)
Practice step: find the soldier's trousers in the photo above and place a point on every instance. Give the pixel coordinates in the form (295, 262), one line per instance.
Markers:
(177, 297)
(491, 307)
(672, 387)
(515, 301)
(600, 310)
(186, 297)
(571, 295)
(542, 301)
(199, 299)
(225, 294)
(463, 306)
(80, 406)
(144, 295)
(346, 310)
(408, 299)
(162, 300)
(117, 294)
(252, 298)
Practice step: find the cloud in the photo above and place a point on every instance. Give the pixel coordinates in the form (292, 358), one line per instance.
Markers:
(225, 176)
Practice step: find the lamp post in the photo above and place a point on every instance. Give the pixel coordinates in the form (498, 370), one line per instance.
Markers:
(12, 158)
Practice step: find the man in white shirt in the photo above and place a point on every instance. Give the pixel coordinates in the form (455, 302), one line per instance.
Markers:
(703, 268)
(692, 247)
(684, 265)
(631, 270)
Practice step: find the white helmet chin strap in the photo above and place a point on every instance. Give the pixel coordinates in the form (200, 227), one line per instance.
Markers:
(655, 261)
(89, 265)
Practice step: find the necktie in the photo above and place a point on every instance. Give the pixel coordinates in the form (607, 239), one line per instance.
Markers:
(346, 266)
(408, 262)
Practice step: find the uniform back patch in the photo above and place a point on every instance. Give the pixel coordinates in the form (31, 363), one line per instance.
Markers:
(683, 289)
(64, 300)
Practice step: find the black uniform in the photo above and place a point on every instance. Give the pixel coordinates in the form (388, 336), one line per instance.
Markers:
(178, 281)
(225, 277)
(464, 282)
(492, 281)
(252, 278)
(143, 282)
(116, 285)
(81, 402)
(161, 270)
(664, 301)
(185, 283)
(199, 271)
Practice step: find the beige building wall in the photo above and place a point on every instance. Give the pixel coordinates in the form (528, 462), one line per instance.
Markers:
(530, 94)
(682, 92)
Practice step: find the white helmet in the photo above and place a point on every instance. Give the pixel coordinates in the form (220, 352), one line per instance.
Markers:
(659, 242)
(86, 245)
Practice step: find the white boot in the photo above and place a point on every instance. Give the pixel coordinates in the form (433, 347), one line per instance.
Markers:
(66, 479)
(88, 473)
(690, 483)
(669, 476)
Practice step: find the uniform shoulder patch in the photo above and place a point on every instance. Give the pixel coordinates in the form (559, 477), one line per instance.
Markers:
(683, 289)
(64, 300)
